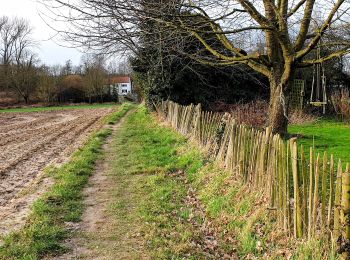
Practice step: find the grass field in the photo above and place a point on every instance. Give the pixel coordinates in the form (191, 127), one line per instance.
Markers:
(330, 136)
(40, 109)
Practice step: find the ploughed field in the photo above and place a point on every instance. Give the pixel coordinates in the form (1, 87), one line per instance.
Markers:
(31, 141)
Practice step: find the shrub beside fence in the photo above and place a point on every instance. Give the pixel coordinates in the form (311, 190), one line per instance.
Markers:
(308, 192)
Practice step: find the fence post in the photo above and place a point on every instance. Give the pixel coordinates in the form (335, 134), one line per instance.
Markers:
(324, 191)
(345, 203)
(316, 195)
(298, 221)
(197, 118)
(311, 206)
(337, 197)
(304, 185)
(331, 191)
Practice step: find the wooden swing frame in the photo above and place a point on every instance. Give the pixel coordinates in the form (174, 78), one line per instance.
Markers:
(321, 83)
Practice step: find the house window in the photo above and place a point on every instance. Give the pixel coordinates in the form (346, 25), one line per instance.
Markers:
(124, 91)
(124, 85)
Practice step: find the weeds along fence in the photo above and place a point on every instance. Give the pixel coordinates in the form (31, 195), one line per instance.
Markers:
(307, 192)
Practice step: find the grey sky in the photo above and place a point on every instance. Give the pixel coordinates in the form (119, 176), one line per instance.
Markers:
(48, 50)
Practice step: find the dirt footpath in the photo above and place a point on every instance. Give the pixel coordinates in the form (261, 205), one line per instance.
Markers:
(28, 143)
(104, 233)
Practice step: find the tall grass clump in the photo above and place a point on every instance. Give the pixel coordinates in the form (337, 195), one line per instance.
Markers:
(341, 103)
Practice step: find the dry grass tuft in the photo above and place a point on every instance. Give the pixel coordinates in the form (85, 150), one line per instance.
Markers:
(299, 117)
(252, 114)
(341, 103)
(255, 113)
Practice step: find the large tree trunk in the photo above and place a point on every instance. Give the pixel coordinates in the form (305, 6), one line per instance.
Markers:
(279, 103)
(26, 99)
(278, 110)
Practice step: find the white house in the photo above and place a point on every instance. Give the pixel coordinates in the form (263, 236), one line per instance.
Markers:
(121, 85)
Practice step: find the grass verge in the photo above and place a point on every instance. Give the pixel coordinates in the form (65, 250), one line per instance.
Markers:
(115, 117)
(46, 228)
(235, 220)
(173, 227)
(147, 157)
(53, 108)
(152, 159)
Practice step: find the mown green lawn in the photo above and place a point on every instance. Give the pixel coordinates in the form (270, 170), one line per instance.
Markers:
(325, 135)
(39, 109)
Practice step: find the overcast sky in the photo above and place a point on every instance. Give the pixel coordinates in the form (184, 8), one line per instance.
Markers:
(49, 50)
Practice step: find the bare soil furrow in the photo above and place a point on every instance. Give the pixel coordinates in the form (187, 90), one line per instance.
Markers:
(31, 123)
(10, 157)
(47, 151)
(29, 143)
(23, 136)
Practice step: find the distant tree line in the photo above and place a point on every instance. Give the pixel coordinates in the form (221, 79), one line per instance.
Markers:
(26, 79)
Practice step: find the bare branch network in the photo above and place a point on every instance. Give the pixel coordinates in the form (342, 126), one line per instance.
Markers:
(273, 37)
(295, 26)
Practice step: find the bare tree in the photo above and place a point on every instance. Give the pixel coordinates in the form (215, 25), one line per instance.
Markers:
(24, 76)
(124, 68)
(286, 30)
(47, 88)
(67, 68)
(8, 37)
(14, 39)
(17, 60)
(94, 76)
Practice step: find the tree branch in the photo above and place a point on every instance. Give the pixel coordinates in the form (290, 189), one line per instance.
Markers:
(302, 53)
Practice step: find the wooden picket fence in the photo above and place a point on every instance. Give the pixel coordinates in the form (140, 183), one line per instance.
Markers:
(308, 192)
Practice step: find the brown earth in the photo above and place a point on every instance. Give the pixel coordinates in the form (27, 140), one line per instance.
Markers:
(29, 142)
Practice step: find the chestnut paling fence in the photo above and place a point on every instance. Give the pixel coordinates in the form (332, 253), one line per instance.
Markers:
(308, 191)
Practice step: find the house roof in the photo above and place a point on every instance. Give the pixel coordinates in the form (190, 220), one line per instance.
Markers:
(120, 79)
